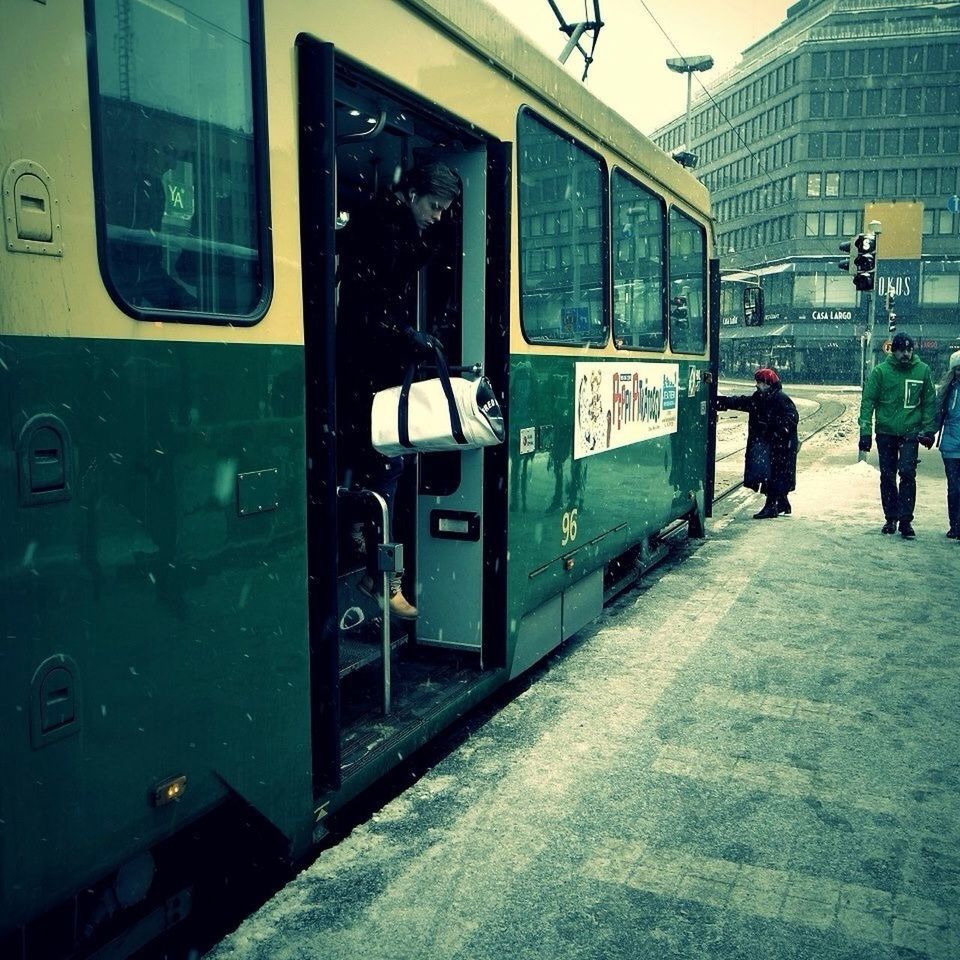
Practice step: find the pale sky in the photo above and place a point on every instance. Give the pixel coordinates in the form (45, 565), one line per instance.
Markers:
(628, 72)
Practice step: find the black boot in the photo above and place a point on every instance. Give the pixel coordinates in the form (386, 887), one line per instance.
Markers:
(769, 510)
(783, 505)
(889, 527)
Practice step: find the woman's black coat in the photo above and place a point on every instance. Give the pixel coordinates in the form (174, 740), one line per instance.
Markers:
(772, 444)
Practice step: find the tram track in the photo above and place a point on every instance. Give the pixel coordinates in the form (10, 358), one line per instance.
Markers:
(826, 414)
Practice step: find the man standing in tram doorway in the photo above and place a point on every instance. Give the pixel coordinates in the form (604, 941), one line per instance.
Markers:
(901, 394)
(381, 251)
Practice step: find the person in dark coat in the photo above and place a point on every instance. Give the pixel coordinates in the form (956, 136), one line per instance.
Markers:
(770, 463)
(381, 251)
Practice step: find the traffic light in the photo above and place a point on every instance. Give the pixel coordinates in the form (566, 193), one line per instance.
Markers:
(678, 309)
(865, 262)
(891, 316)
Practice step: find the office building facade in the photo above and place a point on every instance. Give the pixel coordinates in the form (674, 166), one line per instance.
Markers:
(847, 103)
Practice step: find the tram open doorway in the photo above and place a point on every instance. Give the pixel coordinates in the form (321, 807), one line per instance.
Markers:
(384, 697)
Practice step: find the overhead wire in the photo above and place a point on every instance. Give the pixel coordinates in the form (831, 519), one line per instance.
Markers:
(762, 168)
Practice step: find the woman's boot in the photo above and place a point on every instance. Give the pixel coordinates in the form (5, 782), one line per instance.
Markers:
(769, 510)
(783, 505)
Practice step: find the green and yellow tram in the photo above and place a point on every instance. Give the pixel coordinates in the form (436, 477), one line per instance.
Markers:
(179, 637)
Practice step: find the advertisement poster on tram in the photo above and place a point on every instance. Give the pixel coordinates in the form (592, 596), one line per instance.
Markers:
(616, 404)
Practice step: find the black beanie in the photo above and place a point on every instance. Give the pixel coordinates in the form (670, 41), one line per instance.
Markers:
(902, 342)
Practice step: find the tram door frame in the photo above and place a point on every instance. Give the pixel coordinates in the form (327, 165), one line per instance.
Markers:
(485, 166)
(450, 526)
(317, 152)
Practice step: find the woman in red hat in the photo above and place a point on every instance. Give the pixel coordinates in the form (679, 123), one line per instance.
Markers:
(770, 462)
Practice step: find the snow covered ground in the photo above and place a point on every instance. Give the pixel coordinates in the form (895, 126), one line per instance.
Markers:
(753, 756)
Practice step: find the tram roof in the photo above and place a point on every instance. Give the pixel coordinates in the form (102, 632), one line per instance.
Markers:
(479, 26)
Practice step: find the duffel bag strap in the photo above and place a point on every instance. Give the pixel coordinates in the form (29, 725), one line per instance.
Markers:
(403, 406)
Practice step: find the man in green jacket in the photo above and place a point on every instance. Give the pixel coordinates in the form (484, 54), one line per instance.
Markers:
(901, 393)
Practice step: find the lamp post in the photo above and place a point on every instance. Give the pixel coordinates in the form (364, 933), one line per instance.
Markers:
(689, 66)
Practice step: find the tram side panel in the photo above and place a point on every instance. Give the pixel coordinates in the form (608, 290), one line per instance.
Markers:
(603, 454)
(153, 639)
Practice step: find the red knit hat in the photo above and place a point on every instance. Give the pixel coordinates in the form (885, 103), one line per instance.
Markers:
(766, 375)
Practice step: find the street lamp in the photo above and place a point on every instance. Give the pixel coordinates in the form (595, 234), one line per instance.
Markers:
(689, 66)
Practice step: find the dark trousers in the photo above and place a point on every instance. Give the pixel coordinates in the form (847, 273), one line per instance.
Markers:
(898, 455)
(951, 466)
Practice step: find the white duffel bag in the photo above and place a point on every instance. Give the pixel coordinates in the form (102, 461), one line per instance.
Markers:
(446, 413)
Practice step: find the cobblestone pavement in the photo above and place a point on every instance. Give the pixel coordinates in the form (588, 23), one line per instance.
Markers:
(753, 755)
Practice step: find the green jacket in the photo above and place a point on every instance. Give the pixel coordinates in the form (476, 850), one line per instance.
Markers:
(903, 397)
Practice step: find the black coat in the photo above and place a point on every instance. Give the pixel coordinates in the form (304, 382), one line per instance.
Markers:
(380, 251)
(772, 443)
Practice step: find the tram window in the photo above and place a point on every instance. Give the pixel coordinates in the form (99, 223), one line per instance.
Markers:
(687, 290)
(178, 168)
(638, 258)
(563, 268)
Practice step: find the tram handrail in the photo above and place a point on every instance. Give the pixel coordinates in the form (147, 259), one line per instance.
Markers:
(363, 493)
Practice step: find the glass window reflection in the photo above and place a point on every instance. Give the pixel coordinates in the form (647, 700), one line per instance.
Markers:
(179, 204)
(638, 231)
(563, 267)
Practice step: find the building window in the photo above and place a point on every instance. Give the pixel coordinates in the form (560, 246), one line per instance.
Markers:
(818, 65)
(908, 183)
(851, 220)
(855, 60)
(913, 100)
(934, 58)
(815, 146)
(832, 185)
(851, 183)
(830, 223)
(940, 282)
(950, 141)
(951, 99)
(911, 142)
(874, 63)
(816, 105)
(813, 184)
(928, 182)
(932, 99)
(837, 58)
(895, 60)
(820, 289)
(835, 103)
(812, 225)
(927, 228)
(914, 59)
(838, 291)
(871, 184)
(946, 222)
(874, 103)
(871, 143)
(931, 140)
(852, 148)
(889, 184)
(891, 143)
(855, 103)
